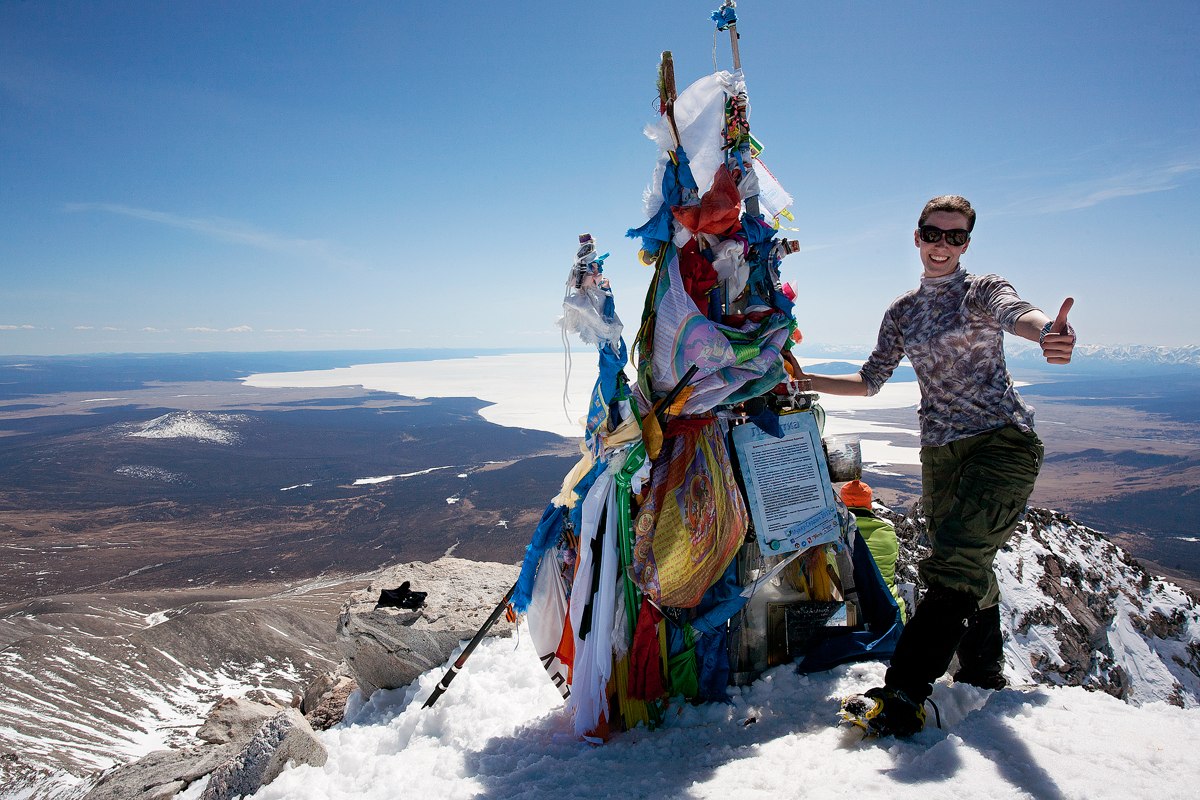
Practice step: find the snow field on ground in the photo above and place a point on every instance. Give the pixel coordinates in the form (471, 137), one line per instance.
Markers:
(501, 732)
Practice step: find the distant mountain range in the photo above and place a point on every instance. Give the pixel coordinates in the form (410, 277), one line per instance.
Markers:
(1021, 352)
(1118, 354)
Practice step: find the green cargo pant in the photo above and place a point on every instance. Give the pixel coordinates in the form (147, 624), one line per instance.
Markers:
(975, 490)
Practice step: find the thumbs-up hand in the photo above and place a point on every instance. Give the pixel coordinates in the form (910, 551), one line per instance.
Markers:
(1058, 340)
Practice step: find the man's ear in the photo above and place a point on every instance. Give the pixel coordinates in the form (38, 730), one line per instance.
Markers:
(917, 237)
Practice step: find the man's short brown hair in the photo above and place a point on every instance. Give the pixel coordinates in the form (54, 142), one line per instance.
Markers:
(949, 202)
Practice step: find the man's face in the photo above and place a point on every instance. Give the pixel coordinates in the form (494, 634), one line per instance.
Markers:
(941, 258)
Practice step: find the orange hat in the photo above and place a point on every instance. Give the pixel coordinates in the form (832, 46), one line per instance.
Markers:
(856, 494)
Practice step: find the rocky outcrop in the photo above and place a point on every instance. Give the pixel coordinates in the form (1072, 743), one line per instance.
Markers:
(161, 774)
(241, 746)
(91, 678)
(388, 647)
(284, 738)
(245, 742)
(324, 702)
(1077, 610)
(164, 773)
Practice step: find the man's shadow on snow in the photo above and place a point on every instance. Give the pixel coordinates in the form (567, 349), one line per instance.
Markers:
(546, 759)
(987, 734)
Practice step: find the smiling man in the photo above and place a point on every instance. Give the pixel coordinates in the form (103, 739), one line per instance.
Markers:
(979, 457)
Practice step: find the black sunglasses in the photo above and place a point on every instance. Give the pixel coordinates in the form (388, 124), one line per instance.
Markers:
(956, 237)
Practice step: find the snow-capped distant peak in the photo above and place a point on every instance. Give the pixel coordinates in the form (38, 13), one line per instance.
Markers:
(198, 425)
(1119, 354)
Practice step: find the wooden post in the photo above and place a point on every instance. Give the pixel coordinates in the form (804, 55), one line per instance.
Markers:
(751, 202)
(666, 73)
(732, 305)
(733, 43)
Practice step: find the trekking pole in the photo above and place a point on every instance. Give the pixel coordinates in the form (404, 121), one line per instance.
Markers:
(457, 666)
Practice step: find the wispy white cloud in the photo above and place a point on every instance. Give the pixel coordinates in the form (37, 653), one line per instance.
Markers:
(1131, 183)
(18, 328)
(149, 329)
(226, 230)
(235, 329)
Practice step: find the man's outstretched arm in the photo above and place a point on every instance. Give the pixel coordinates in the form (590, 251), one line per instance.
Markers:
(848, 385)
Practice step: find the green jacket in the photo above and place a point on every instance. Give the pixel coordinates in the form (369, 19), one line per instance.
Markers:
(881, 540)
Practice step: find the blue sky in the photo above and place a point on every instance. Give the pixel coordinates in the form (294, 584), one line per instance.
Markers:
(193, 176)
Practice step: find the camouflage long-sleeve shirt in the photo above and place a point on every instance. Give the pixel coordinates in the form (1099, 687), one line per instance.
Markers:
(952, 330)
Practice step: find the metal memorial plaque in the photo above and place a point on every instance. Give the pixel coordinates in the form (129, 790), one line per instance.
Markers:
(787, 484)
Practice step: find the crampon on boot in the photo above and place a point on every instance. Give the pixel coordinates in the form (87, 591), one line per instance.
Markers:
(883, 711)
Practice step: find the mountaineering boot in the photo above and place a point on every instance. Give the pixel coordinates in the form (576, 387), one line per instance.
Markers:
(981, 651)
(884, 711)
(929, 641)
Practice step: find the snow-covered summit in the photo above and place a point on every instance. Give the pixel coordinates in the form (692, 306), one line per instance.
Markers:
(201, 426)
(1086, 627)
(1103, 660)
